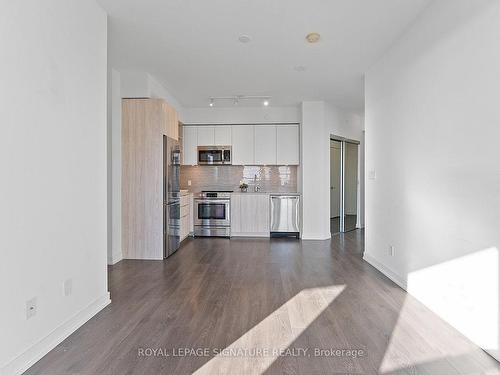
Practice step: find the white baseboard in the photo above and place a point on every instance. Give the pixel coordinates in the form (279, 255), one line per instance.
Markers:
(400, 281)
(316, 236)
(24, 361)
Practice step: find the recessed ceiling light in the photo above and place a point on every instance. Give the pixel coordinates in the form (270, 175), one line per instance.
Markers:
(211, 102)
(313, 37)
(265, 102)
(300, 68)
(244, 38)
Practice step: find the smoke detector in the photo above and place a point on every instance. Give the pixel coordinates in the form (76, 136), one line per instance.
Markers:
(244, 38)
(313, 37)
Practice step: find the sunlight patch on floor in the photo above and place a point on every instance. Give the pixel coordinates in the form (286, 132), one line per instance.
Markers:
(461, 294)
(464, 292)
(276, 332)
(410, 345)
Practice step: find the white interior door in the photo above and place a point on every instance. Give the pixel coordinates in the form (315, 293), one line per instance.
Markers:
(335, 160)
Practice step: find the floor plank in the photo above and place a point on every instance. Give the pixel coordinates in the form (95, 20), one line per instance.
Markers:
(247, 294)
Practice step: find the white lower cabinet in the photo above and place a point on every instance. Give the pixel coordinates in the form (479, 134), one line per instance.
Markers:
(186, 214)
(250, 215)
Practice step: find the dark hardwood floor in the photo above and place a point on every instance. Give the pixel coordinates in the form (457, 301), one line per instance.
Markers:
(350, 224)
(243, 295)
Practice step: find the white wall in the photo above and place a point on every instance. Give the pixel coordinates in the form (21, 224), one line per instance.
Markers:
(319, 121)
(349, 124)
(344, 123)
(134, 84)
(138, 84)
(432, 130)
(241, 115)
(158, 90)
(115, 171)
(53, 163)
(315, 172)
(362, 180)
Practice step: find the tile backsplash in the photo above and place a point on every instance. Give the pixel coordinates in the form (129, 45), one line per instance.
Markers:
(227, 177)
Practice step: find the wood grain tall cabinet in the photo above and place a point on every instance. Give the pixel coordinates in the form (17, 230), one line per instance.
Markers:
(144, 123)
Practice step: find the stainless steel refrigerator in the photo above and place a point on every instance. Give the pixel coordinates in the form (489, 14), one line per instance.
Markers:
(171, 196)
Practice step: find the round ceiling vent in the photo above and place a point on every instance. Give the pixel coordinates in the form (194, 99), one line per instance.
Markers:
(313, 37)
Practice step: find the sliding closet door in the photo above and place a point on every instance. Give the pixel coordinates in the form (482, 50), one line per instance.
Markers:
(335, 184)
(350, 186)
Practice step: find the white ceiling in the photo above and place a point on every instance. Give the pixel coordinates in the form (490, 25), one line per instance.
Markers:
(192, 47)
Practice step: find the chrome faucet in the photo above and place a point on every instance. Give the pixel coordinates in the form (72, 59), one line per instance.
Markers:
(256, 187)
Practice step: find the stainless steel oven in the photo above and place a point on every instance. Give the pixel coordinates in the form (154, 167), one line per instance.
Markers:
(212, 214)
(214, 155)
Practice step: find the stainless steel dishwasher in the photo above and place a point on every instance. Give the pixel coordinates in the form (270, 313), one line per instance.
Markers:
(285, 215)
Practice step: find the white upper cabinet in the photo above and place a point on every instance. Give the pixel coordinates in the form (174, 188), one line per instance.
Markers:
(251, 144)
(242, 144)
(222, 135)
(214, 135)
(265, 144)
(287, 145)
(189, 145)
(206, 135)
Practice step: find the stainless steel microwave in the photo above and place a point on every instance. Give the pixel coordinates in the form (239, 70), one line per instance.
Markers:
(214, 155)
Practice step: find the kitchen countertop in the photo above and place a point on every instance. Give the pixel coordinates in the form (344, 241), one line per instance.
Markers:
(252, 193)
(266, 193)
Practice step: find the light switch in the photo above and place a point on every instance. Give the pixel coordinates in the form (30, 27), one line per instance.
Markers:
(372, 175)
(67, 287)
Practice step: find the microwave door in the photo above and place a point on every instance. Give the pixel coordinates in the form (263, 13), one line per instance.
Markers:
(218, 157)
(204, 157)
(209, 156)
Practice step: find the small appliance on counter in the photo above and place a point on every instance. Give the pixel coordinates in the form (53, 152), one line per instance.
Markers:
(285, 215)
(212, 214)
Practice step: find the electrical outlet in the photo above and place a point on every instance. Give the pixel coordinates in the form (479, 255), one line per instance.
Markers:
(189, 182)
(31, 308)
(67, 287)
(392, 251)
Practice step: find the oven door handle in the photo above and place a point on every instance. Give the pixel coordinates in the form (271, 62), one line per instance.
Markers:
(212, 201)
